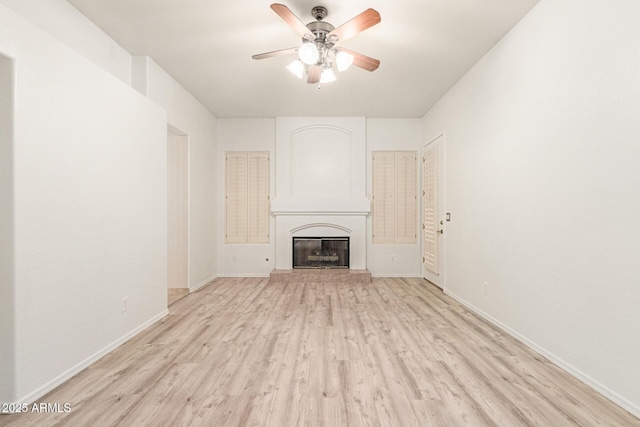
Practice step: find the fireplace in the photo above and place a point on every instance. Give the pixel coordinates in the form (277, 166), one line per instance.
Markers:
(320, 252)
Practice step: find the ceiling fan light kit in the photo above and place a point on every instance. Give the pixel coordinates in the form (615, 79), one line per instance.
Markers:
(318, 52)
(343, 60)
(308, 53)
(296, 68)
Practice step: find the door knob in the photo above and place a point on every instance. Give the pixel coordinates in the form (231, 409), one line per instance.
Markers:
(440, 231)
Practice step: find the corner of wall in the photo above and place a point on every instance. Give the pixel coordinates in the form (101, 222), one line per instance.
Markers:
(62, 21)
(140, 74)
(7, 282)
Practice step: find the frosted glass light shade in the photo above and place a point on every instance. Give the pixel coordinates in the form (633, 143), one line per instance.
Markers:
(327, 76)
(343, 60)
(308, 53)
(297, 68)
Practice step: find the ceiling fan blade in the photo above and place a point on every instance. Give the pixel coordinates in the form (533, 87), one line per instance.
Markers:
(285, 13)
(274, 53)
(363, 61)
(358, 24)
(315, 73)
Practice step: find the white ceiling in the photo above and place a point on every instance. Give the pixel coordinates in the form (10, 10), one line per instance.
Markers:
(424, 47)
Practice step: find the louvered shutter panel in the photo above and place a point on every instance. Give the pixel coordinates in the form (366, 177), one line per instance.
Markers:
(236, 198)
(430, 202)
(258, 197)
(383, 197)
(406, 197)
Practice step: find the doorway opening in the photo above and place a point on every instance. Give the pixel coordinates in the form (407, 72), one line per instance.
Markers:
(177, 215)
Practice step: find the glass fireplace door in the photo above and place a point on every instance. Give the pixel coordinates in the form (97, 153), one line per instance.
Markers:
(320, 252)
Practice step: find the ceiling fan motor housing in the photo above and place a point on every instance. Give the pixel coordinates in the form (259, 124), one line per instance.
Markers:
(320, 29)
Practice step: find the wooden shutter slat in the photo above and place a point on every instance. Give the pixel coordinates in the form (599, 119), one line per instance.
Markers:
(394, 197)
(383, 197)
(258, 198)
(236, 198)
(405, 180)
(430, 203)
(247, 197)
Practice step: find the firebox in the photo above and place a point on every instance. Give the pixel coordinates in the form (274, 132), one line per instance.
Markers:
(320, 252)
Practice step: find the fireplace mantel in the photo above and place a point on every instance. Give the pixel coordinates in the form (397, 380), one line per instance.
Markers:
(320, 206)
(321, 218)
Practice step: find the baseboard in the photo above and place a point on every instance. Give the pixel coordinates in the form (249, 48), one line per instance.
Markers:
(240, 275)
(202, 284)
(396, 276)
(595, 385)
(46, 388)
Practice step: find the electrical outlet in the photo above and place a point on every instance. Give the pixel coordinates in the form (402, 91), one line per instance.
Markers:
(125, 304)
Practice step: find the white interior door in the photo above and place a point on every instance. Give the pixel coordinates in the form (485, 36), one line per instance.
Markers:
(433, 211)
(177, 210)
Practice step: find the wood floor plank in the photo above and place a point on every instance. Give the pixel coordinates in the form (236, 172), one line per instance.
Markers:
(255, 352)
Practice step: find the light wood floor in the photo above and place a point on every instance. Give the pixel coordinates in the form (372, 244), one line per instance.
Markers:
(175, 294)
(395, 352)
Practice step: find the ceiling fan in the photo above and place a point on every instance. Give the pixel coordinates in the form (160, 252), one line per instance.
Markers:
(319, 49)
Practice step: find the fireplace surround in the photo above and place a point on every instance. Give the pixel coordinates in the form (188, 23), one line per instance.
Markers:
(320, 185)
(320, 252)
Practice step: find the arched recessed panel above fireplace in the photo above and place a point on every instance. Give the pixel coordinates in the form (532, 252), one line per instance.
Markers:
(321, 162)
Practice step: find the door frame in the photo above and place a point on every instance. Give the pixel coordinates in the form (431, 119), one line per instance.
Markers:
(175, 132)
(437, 279)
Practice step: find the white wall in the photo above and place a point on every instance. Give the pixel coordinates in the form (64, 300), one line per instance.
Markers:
(191, 118)
(542, 183)
(7, 286)
(64, 22)
(393, 135)
(90, 209)
(259, 135)
(292, 132)
(244, 135)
